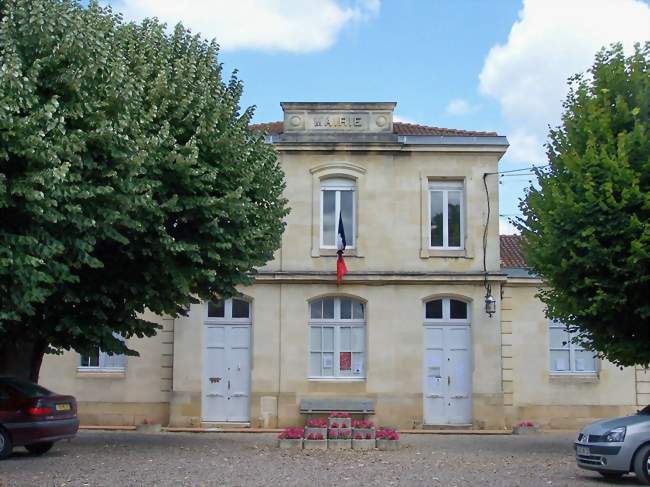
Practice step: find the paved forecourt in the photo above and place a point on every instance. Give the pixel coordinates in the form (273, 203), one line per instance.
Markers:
(129, 458)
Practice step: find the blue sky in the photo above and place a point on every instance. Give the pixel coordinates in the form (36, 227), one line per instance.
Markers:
(472, 64)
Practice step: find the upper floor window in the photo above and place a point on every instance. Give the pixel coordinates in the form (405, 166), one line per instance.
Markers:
(336, 338)
(102, 361)
(566, 356)
(446, 309)
(337, 199)
(446, 215)
(229, 309)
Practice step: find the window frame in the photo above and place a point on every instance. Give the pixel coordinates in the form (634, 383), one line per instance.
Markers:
(445, 187)
(446, 311)
(227, 313)
(572, 348)
(102, 358)
(337, 185)
(336, 323)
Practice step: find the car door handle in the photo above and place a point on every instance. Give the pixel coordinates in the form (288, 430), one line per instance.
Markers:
(214, 394)
(228, 384)
(448, 380)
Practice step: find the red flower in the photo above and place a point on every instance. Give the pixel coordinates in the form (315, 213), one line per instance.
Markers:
(387, 434)
(317, 423)
(368, 435)
(291, 434)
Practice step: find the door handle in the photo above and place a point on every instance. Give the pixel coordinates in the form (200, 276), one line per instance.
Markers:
(448, 380)
(228, 384)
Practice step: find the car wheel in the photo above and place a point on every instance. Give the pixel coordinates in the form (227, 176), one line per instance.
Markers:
(5, 444)
(642, 465)
(610, 475)
(39, 448)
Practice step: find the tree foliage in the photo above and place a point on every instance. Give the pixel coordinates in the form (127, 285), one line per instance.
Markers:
(129, 177)
(587, 223)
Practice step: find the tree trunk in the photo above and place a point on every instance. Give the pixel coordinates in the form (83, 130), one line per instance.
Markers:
(22, 359)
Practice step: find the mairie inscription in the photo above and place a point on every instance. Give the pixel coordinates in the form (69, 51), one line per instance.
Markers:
(341, 122)
(338, 117)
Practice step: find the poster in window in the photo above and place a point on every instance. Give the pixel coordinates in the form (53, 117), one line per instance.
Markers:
(345, 361)
(327, 361)
(358, 365)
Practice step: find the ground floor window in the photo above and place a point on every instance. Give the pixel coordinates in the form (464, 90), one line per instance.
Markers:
(99, 360)
(566, 356)
(336, 338)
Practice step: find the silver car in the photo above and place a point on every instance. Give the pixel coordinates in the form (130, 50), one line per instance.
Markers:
(615, 447)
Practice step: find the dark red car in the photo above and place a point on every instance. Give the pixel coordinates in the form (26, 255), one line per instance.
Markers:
(33, 417)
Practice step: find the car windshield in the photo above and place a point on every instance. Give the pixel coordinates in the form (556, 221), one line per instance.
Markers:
(24, 387)
(645, 411)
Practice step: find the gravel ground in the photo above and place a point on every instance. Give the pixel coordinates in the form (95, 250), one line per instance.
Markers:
(129, 458)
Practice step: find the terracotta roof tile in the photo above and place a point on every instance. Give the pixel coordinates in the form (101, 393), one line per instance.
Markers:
(511, 253)
(399, 128)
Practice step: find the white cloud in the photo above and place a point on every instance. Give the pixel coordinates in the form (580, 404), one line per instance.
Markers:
(552, 40)
(400, 119)
(460, 106)
(270, 25)
(506, 227)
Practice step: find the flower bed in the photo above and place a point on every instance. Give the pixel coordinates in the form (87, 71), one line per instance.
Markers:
(339, 432)
(315, 441)
(291, 439)
(316, 426)
(525, 428)
(387, 439)
(363, 427)
(362, 441)
(339, 420)
(339, 438)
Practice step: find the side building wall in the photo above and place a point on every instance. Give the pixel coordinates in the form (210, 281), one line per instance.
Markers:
(533, 393)
(139, 392)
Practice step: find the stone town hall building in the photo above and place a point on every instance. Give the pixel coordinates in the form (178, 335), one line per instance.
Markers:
(408, 327)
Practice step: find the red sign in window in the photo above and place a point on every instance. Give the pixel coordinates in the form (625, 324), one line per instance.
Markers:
(345, 362)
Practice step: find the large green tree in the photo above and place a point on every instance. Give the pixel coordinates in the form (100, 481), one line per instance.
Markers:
(129, 179)
(587, 222)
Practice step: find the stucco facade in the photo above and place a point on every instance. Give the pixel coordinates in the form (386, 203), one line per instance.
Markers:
(394, 171)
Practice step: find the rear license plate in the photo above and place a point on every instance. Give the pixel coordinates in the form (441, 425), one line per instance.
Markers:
(63, 407)
(582, 450)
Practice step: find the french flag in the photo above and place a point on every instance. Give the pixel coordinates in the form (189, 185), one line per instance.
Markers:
(341, 270)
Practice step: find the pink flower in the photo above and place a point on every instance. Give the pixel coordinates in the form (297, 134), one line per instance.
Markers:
(317, 423)
(362, 424)
(333, 434)
(291, 434)
(335, 424)
(387, 434)
(335, 414)
(368, 436)
(357, 436)
(315, 436)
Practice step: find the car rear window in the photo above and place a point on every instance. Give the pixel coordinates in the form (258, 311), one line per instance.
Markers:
(24, 387)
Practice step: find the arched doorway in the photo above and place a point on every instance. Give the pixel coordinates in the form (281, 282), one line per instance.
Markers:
(447, 362)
